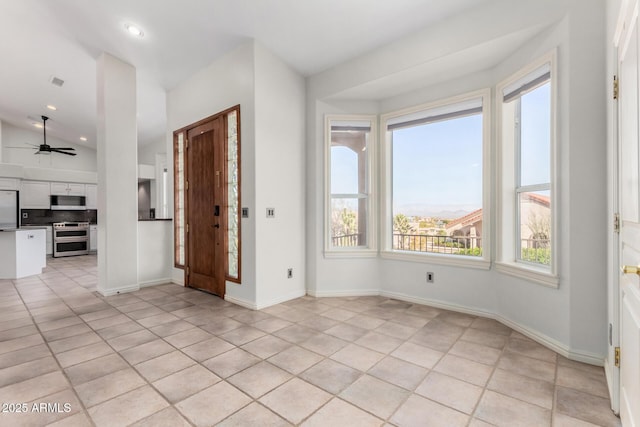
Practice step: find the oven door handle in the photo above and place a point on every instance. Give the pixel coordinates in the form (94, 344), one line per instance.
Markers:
(71, 239)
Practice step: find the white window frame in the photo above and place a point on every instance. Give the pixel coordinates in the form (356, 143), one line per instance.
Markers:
(371, 249)
(386, 227)
(508, 179)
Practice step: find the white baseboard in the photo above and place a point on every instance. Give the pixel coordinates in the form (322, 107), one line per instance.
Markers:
(551, 343)
(343, 293)
(281, 299)
(264, 304)
(437, 304)
(163, 281)
(115, 291)
(241, 302)
(177, 282)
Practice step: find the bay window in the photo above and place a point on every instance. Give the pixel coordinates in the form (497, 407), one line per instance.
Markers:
(527, 176)
(348, 160)
(436, 161)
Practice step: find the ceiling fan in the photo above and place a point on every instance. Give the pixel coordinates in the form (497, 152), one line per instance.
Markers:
(46, 148)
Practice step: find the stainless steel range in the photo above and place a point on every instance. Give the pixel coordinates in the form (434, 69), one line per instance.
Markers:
(70, 238)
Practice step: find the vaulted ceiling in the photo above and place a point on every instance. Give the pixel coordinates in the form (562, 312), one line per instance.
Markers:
(63, 38)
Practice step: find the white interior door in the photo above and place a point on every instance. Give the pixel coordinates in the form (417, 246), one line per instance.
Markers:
(629, 198)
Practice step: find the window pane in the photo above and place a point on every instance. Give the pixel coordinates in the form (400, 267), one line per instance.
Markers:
(349, 157)
(535, 227)
(348, 222)
(233, 198)
(437, 187)
(179, 200)
(349, 183)
(344, 170)
(535, 136)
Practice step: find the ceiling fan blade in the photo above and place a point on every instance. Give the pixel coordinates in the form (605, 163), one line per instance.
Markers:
(57, 150)
(25, 148)
(64, 148)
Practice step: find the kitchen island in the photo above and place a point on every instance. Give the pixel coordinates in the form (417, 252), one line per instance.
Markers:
(22, 252)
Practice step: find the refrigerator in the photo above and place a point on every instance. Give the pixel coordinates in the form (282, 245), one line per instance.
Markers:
(8, 209)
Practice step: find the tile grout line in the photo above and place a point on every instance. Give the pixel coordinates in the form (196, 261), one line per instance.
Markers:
(53, 355)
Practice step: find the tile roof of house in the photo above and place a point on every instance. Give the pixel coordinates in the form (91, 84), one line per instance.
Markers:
(475, 216)
(468, 219)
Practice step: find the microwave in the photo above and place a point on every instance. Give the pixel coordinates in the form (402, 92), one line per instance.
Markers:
(68, 203)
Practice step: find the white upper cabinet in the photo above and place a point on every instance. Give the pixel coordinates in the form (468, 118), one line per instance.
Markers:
(35, 195)
(67, 189)
(8, 184)
(91, 191)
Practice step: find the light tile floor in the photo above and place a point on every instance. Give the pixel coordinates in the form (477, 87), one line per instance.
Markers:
(171, 356)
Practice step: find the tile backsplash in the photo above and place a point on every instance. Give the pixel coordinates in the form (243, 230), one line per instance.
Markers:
(47, 216)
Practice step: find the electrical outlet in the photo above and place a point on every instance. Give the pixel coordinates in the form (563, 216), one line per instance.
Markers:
(289, 273)
(430, 277)
(25, 215)
(245, 212)
(271, 212)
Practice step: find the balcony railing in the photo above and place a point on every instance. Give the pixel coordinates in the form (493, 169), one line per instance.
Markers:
(346, 241)
(456, 245)
(533, 250)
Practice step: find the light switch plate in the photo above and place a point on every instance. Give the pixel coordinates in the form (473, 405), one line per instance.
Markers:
(271, 212)
(245, 212)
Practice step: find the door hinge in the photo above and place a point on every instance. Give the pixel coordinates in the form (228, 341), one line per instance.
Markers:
(188, 271)
(616, 87)
(187, 185)
(617, 357)
(616, 223)
(187, 228)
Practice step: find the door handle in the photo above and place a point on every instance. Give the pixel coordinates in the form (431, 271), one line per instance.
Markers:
(630, 269)
(216, 225)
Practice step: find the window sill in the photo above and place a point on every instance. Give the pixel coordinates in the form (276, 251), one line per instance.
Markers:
(453, 260)
(352, 253)
(532, 274)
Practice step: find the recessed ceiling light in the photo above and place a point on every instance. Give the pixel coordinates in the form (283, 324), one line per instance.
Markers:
(83, 138)
(38, 125)
(134, 30)
(52, 107)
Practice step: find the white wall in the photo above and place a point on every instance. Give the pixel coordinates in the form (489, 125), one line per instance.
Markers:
(572, 318)
(12, 136)
(227, 82)
(346, 276)
(279, 157)
(147, 152)
(155, 252)
(271, 98)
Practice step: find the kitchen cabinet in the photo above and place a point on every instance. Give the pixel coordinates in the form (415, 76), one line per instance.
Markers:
(93, 238)
(91, 191)
(24, 253)
(8, 184)
(48, 235)
(67, 189)
(35, 195)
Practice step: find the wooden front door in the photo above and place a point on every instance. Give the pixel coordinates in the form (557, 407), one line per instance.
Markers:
(205, 207)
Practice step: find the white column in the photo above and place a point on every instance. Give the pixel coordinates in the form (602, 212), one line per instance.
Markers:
(117, 176)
